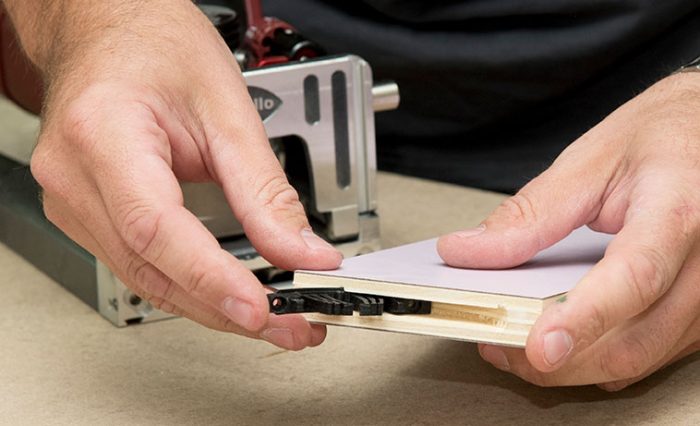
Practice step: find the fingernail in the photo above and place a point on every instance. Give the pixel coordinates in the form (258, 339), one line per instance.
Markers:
(281, 337)
(314, 242)
(495, 356)
(240, 312)
(318, 334)
(468, 233)
(557, 345)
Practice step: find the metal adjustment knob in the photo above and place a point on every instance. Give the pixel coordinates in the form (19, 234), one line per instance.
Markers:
(385, 96)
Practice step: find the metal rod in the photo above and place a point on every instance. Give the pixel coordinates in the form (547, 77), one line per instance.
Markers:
(254, 13)
(385, 96)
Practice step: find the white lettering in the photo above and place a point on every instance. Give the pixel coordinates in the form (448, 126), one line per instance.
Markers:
(264, 104)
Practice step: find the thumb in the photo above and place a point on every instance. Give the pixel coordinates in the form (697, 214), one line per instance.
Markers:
(266, 204)
(546, 210)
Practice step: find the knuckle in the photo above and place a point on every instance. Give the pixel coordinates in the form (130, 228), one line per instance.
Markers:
(146, 278)
(647, 275)
(200, 277)
(205, 273)
(47, 169)
(80, 119)
(276, 193)
(137, 270)
(139, 226)
(77, 123)
(518, 209)
(41, 167)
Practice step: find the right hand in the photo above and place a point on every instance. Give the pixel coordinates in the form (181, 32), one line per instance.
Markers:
(130, 112)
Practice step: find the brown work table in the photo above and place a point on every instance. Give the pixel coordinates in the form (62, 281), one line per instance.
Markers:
(61, 363)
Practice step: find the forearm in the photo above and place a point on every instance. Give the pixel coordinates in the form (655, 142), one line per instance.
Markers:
(56, 33)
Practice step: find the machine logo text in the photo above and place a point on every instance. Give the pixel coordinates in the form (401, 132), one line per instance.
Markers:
(265, 101)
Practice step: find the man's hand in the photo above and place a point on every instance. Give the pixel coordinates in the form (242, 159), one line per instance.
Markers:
(140, 96)
(637, 175)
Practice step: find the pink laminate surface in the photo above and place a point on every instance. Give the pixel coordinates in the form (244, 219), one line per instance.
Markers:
(553, 271)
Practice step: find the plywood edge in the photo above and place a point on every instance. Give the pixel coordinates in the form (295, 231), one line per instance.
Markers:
(458, 315)
(431, 326)
(513, 304)
(500, 318)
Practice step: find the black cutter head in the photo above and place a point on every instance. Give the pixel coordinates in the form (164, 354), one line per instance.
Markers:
(337, 301)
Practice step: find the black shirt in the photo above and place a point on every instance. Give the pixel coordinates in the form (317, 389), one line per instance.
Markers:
(493, 90)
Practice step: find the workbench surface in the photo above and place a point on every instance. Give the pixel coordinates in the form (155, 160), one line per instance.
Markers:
(61, 363)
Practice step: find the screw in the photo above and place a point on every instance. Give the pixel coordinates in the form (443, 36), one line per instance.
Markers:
(134, 300)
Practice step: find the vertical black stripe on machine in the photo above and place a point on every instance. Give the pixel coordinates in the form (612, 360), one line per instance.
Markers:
(340, 129)
(312, 101)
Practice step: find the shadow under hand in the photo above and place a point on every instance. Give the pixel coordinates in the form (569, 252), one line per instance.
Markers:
(461, 363)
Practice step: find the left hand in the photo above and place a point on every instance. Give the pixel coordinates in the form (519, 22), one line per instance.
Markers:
(637, 175)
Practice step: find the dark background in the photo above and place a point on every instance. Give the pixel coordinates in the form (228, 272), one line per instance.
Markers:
(493, 90)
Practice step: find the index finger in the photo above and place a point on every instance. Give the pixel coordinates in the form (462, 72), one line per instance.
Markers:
(144, 201)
